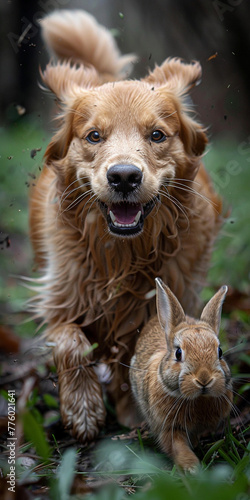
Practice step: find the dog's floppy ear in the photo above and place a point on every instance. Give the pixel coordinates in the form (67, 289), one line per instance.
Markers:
(192, 135)
(178, 78)
(59, 144)
(65, 80)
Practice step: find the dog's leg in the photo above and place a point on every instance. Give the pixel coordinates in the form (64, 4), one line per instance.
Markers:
(81, 401)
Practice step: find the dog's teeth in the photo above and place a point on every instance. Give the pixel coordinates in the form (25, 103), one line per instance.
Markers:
(137, 218)
(112, 216)
(117, 224)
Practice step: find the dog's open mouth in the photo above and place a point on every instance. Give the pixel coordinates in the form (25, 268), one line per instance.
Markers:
(126, 219)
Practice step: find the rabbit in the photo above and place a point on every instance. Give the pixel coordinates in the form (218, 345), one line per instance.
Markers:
(180, 381)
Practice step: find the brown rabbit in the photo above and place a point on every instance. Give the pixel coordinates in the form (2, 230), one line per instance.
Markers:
(180, 381)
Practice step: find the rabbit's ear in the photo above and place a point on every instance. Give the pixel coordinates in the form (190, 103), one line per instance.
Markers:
(211, 313)
(170, 312)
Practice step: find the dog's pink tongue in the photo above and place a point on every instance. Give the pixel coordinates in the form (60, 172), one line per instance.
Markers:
(125, 213)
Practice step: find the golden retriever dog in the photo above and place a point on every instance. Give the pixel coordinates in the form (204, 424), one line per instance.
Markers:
(122, 198)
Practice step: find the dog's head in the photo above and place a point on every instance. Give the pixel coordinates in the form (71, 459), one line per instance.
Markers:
(121, 144)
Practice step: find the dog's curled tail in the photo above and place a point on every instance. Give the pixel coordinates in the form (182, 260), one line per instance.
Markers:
(75, 35)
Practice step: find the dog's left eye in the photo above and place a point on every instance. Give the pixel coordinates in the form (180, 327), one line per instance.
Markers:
(157, 136)
(93, 137)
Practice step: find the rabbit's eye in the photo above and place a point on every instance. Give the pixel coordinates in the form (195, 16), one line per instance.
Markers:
(219, 352)
(178, 354)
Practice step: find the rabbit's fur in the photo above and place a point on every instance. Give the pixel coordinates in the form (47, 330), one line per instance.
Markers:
(180, 382)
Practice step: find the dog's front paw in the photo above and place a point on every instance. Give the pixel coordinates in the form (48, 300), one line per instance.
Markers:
(81, 404)
(80, 392)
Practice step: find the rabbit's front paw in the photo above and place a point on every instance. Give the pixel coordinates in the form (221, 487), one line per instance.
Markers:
(183, 456)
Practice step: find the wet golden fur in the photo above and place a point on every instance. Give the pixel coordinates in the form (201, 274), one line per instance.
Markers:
(96, 287)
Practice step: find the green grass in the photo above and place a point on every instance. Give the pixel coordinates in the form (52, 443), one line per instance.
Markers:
(126, 469)
(130, 467)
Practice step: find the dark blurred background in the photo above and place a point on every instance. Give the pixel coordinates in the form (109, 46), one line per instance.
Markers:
(217, 33)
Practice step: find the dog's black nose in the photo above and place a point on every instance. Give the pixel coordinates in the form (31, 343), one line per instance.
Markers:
(124, 178)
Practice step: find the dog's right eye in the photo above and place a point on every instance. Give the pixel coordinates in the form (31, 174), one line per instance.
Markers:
(157, 136)
(93, 137)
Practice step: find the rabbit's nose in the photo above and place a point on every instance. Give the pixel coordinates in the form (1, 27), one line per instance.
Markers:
(204, 380)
